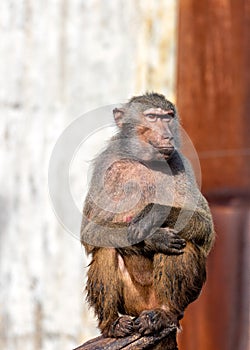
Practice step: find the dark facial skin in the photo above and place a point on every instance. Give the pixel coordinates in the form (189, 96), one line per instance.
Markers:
(150, 131)
(156, 130)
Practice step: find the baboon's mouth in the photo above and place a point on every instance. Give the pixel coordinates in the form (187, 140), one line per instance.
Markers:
(165, 150)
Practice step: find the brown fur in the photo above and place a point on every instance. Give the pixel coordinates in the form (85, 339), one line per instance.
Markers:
(149, 279)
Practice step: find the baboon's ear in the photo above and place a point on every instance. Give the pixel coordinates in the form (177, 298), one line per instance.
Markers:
(118, 114)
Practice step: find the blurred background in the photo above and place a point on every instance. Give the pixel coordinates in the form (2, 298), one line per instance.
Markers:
(58, 60)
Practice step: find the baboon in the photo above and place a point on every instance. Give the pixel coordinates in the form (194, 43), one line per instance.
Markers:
(145, 223)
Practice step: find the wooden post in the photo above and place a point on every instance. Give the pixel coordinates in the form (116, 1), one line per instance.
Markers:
(213, 92)
(213, 102)
(166, 340)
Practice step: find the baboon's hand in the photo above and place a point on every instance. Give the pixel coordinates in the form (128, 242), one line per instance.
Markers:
(167, 241)
(122, 327)
(153, 321)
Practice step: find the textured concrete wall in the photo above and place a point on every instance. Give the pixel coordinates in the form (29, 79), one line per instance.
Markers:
(59, 59)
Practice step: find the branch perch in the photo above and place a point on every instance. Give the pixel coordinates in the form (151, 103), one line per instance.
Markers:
(165, 340)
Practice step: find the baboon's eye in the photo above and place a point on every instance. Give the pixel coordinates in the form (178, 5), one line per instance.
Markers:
(151, 117)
